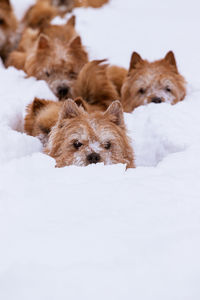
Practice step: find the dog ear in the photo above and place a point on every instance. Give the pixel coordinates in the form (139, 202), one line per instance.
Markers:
(69, 110)
(115, 113)
(135, 59)
(76, 42)
(170, 58)
(80, 103)
(71, 21)
(38, 104)
(43, 42)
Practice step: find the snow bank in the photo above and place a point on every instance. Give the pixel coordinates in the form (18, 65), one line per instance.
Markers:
(101, 232)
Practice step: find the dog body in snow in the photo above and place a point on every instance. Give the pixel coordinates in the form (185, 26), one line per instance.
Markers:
(155, 82)
(8, 29)
(73, 136)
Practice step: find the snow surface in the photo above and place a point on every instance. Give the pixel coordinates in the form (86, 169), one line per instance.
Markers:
(100, 232)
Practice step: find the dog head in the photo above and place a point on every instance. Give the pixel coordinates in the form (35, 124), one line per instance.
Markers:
(155, 82)
(57, 61)
(8, 27)
(79, 138)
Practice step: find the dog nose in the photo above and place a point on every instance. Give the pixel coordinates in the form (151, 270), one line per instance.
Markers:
(156, 100)
(93, 158)
(62, 91)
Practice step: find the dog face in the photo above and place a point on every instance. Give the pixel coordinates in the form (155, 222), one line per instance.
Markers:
(8, 27)
(63, 5)
(155, 82)
(79, 138)
(57, 61)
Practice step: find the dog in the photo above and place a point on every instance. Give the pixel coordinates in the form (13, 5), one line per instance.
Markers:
(8, 29)
(74, 136)
(148, 82)
(56, 56)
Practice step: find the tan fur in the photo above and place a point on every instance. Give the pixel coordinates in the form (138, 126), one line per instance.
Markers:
(156, 82)
(61, 124)
(90, 3)
(8, 29)
(56, 55)
(94, 86)
(39, 15)
(117, 75)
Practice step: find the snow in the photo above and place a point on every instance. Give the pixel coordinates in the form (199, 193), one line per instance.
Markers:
(100, 232)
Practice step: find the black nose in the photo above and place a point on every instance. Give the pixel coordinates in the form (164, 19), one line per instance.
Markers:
(156, 100)
(62, 91)
(93, 158)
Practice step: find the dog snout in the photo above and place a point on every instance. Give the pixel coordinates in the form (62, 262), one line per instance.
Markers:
(93, 158)
(156, 100)
(62, 92)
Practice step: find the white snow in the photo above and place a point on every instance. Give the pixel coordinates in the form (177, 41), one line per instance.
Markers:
(100, 232)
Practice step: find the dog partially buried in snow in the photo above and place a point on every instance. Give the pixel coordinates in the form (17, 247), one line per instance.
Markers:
(73, 136)
(155, 82)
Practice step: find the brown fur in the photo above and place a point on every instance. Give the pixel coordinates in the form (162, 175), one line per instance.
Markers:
(8, 29)
(90, 3)
(61, 124)
(56, 55)
(156, 82)
(117, 75)
(39, 15)
(94, 86)
(79, 138)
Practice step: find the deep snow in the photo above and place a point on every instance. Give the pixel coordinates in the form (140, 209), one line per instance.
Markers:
(101, 232)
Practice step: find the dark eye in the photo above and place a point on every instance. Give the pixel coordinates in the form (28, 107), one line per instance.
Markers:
(72, 75)
(141, 91)
(168, 89)
(77, 144)
(2, 22)
(107, 145)
(47, 74)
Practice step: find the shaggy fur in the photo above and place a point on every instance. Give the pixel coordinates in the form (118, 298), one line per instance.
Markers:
(8, 29)
(90, 3)
(156, 82)
(94, 85)
(39, 15)
(75, 137)
(56, 56)
(79, 138)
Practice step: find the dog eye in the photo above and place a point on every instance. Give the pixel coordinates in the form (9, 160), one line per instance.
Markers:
(107, 145)
(168, 89)
(72, 75)
(47, 74)
(77, 144)
(141, 91)
(2, 22)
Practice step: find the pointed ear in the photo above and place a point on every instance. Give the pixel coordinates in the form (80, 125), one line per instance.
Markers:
(38, 104)
(81, 103)
(115, 113)
(71, 21)
(69, 110)
(43, 42)
(135, 59)
(170, 58)
(76, 42)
